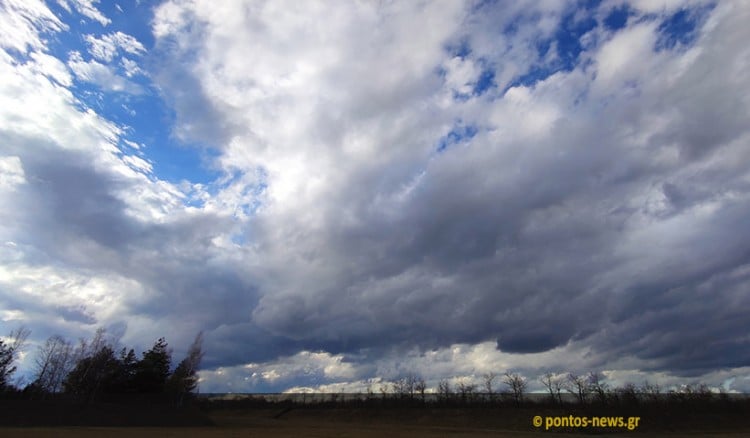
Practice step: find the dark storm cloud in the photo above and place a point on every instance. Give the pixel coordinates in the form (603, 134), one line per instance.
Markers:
(71, 203)
(74, 217)
(76, 314)
(528, 243)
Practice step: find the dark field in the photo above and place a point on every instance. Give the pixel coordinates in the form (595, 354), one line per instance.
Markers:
(38, 419)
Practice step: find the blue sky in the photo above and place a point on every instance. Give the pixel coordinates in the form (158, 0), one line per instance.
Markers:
(145, 115)
(338, 195)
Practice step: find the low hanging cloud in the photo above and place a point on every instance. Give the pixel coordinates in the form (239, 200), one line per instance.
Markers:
(446, 189)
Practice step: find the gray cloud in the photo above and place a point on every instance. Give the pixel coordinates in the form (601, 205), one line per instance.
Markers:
(543, 230)
(594, 218)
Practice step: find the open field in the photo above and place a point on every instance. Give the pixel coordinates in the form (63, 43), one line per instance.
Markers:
(319, 431)
(348, 422)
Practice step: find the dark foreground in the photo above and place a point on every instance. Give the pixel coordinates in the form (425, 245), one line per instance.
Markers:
(37, 419)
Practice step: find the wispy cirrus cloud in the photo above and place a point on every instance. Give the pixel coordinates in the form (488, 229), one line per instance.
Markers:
(107, 47)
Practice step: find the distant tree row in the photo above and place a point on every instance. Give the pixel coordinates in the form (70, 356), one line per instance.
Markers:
(92, 368)
(413, 387)
(588, 388)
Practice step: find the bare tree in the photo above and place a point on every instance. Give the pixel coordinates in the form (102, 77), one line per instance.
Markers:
(184, 379)
(488, 380)
(406, 387)
(400, 387)
(466, 390)
(559, 386)
(628, 394)
(53, 362)
(517, 385)
(692, 392)
(598, 386)
(87, 348)
(651, 391)
(420, 386)
(410, 387)
(444, 390)
(18, 337)
(549, 380)
(98, 342)
(94, 367)
(384, 390)
(579, 386)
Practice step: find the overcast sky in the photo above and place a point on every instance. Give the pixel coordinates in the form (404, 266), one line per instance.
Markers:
(340, 192)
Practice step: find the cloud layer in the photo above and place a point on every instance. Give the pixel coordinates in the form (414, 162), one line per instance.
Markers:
(445, 188)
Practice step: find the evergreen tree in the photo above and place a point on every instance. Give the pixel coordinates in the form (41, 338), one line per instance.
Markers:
(127, 365)
(7, 357)
(152, 370)
(8, 353)
(93, 374)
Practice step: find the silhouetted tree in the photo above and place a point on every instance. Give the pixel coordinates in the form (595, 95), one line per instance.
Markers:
(93, 374)
(384, 390)
(489, 378)
(96, 369)
(598, 386)
(153, 369)
(406, 387)
(579, 386)
(699, 392)
(53, 362)
(400, 387)
(411, 385)
(444, 390)
(627, 394)
(652, 392)
(9, 351)
(184, 379)
(517, 385)
(466, 390)
(548, 380)
(7, 357)
(420, 386)
(127, 366)
(93, 368)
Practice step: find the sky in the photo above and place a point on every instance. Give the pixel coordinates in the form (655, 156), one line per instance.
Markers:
(343, 193)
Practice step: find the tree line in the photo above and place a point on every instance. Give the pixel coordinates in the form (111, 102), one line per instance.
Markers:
(560, 388)
(91, 368)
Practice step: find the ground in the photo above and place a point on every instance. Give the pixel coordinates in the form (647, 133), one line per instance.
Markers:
(369, 423)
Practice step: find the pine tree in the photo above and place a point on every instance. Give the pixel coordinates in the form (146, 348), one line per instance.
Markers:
(93, 374)
(153, 369)
(8, 353)
(7, 368)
